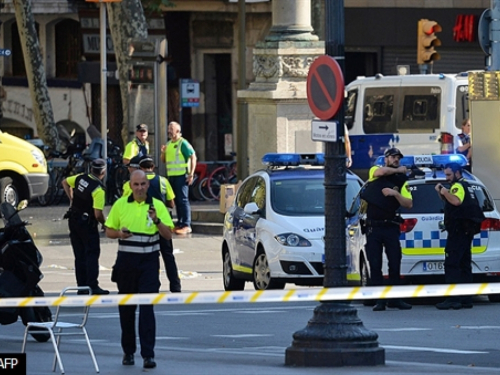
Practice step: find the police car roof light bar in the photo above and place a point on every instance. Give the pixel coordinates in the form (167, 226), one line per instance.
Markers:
(292, 160)
(431, 161)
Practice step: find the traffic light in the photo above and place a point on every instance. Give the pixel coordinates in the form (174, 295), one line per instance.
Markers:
(427, 40)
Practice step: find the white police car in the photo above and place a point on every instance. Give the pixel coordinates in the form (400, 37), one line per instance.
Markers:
(273, 232)
(422, 241)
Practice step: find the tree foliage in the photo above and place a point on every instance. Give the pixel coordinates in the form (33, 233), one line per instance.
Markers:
(35, 72)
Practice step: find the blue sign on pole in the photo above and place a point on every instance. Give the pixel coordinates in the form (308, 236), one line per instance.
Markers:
(190, 93)
(5, 52)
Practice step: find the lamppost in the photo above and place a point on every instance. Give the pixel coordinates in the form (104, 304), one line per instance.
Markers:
(104, 77)
(335, 336)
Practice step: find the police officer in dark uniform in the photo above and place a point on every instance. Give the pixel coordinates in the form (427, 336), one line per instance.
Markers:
(87, 196)
(160, 188)
(384, 193)
(462, 220)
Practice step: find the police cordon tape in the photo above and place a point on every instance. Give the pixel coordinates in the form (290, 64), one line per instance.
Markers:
(292, 295)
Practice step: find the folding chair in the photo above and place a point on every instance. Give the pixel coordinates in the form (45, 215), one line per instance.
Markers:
(59, 328)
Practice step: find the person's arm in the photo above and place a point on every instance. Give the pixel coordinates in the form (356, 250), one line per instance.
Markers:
(120, 234)
(162, 153)
(451, 198)
(463, 146)
(164, 230)
(99, 215)
(192, 168)
(68, 190)
(387, 171)
(403, 201)
(347, 148)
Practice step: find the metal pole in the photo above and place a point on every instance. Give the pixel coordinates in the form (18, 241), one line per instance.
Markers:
(495, 35)
(104, 83)
(335, 336)
(242, 126)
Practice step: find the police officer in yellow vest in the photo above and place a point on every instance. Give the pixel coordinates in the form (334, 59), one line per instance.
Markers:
(180, 158)
(87, 197)
(159, 188)
(137, 221)
(462, 220)
(139, 146)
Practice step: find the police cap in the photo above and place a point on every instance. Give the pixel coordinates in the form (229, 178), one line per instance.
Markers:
(141, 127)
(98, 164)
(134, 162)
(393, 152)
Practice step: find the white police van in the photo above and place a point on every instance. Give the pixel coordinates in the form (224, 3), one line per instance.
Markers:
(419, 114)
(274, 230)
(422, 240)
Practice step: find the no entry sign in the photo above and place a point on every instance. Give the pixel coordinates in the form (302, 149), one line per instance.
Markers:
(325, 87)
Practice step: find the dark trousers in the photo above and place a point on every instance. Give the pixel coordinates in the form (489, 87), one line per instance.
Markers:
(458, 259)
(378, 238)
(182, 205)
(137, 273)
(85, 242)
(167, 253)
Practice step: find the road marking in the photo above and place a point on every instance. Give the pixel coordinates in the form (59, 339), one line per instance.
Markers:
(435, 350)
(478, 327)
(243, 335)
(401, 329)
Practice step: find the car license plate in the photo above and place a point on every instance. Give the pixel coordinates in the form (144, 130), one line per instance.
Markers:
(433, 266)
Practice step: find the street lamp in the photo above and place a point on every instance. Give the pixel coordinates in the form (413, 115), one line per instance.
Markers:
(335, 336)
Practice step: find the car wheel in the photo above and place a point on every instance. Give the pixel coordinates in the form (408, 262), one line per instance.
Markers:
(8, 191)
(365, 276)
(262, 274)
(230, 282)
(494, 297)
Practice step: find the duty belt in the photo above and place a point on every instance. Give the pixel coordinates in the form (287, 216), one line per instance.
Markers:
(382, 223)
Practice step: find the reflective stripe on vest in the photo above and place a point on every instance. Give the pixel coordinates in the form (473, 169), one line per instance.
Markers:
(176, 165)
(140, 243)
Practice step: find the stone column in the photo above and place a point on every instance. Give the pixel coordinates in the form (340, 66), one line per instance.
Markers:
(279, 118)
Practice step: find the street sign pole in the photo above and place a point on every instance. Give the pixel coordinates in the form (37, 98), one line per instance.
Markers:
(335, 336)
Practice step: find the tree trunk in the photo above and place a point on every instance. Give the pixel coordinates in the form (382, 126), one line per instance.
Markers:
(35, 72)
(126, 20)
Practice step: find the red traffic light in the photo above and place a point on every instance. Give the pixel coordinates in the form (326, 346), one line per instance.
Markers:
(427, 40)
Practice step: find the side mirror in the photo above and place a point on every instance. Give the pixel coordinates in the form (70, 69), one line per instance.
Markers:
(251, 208)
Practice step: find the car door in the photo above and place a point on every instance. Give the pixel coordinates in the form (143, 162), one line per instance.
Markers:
(238, 221)
(355, 239)
(251, 217)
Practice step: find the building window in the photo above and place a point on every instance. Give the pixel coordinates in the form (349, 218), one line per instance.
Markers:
(68, 51)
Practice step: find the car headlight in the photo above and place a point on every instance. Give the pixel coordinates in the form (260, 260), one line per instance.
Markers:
(38, 156)
(292, 239)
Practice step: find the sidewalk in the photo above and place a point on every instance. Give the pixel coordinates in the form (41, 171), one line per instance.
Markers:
(198, 260)
(198, 256)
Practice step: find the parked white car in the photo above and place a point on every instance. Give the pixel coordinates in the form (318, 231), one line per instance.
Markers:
(273, 232)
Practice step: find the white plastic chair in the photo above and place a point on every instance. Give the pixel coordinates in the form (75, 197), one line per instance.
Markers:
(59, 328)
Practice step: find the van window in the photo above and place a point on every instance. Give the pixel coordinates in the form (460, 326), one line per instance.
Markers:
(462, 105)
(420, 112)
(350, 110)
(378, 116)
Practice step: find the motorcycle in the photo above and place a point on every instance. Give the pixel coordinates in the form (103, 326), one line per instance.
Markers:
(20, 262)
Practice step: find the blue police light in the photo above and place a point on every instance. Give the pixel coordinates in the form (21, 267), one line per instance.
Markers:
(431, 161)
(292, 160)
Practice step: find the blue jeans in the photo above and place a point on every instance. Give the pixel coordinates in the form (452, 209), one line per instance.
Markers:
(182, 206)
